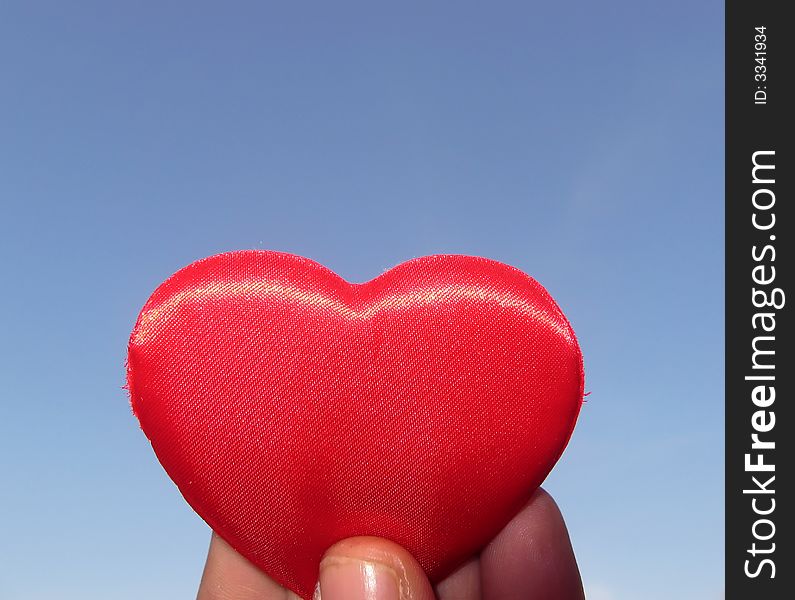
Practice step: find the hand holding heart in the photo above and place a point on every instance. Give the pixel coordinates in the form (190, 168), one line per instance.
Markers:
(530, 559)
(294, 410)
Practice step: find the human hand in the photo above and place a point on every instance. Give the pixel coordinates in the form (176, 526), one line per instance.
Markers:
(530, 559)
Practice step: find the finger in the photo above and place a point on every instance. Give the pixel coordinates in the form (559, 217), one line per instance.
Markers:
(462, 584)
(368, 568)
(229, 576)
(532, 557)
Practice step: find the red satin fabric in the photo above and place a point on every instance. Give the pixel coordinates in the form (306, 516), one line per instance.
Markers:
(294, 409)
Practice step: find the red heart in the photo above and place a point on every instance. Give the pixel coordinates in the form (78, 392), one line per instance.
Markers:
(294, 409)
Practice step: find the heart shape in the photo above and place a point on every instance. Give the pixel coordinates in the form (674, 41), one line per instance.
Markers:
(294, 409)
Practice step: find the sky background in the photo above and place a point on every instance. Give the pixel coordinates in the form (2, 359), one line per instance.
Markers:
(579, 141)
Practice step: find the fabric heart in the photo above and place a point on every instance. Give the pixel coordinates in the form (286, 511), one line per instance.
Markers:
(294, 409)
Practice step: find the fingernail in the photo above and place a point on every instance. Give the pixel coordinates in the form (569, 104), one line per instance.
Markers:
(350, 579)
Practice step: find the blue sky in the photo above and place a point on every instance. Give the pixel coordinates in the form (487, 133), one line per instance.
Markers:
(581, 142)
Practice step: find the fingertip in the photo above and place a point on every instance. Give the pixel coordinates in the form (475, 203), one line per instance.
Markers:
(532, 557)
(369, 568)
(229, 576)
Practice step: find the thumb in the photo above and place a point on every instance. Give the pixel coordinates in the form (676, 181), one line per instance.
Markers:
(369, 568)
